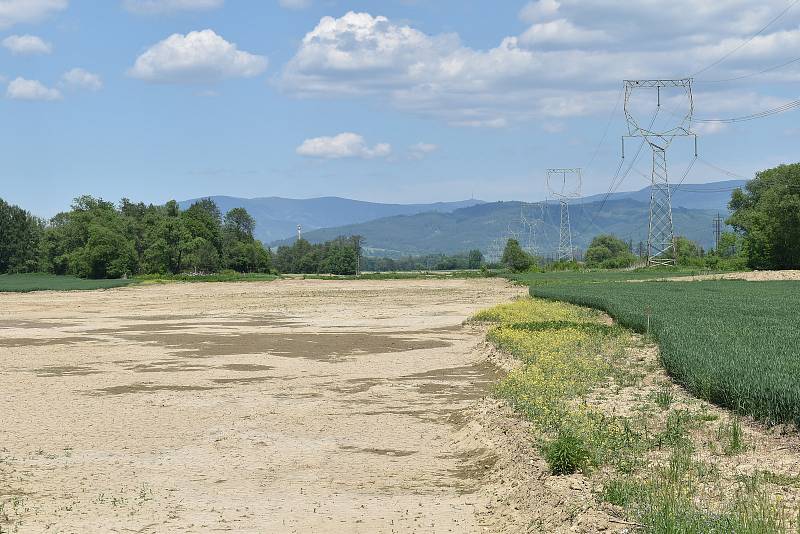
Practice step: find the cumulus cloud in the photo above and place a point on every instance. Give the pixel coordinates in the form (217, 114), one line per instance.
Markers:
(27, 45)
(295, 4)
(22, 89)
(197, 57)
(344, 145)
(150, 7)
(569, 62)
(78, 78)
(561, 31)
(541, 10)
(27, 11)
(421, 150)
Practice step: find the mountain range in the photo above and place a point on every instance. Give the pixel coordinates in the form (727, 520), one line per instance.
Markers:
(277, 218)
(451, 227)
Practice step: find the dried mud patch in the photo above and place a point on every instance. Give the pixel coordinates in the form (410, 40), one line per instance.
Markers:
(52, 371)
(316, 346)
(146, 387)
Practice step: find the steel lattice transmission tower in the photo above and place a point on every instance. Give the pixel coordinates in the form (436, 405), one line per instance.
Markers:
(531, 216)
(661, 233)
(565, 185)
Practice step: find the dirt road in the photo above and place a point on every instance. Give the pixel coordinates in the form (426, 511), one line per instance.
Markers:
(292, 406)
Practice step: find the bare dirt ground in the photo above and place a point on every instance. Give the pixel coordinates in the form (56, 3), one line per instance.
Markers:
(750, 276)
(291, 406)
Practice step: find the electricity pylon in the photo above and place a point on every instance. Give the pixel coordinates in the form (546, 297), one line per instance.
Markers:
(661, 233)
(529, 223)
(717, 232)
(564, 185)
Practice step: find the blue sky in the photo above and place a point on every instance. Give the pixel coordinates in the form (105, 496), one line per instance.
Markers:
(393, 101)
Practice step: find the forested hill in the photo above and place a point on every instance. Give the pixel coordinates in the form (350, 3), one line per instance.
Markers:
(277, 218)
(478, 226)
(714, 195)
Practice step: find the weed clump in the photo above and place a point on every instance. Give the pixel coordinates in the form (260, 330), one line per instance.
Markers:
(566, 454)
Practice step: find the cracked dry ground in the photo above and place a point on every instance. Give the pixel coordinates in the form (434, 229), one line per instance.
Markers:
(291, 406)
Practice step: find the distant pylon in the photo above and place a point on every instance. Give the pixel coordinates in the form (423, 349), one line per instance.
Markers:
(717, 232)
(661, 248)
(564, 184)
(565, 250)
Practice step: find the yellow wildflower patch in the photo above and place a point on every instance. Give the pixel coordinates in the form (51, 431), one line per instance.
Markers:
(534, 310)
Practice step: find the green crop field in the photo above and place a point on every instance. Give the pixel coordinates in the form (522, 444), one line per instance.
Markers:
(600, 275)
(733, 343)
(21, 283)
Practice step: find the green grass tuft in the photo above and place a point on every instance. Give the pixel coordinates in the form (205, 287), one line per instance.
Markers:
(566, 454)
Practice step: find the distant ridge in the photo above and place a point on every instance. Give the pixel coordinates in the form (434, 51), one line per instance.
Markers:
(714, 195)
(277, 218)
(410, 229)
(623, 214)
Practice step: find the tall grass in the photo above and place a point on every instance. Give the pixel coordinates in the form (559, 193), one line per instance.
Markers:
(734, 343)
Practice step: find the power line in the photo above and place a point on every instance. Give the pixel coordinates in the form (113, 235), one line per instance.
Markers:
(749, 40)
(744, 76)
(789, 106)
(608, 126)
(688, 170)
(720, 169)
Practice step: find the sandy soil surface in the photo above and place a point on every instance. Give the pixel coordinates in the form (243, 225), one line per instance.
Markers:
(291, 406)
(750, 276)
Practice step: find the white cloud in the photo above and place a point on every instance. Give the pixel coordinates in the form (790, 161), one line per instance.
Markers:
(27, 11)
(22, 89)
(295, 4)
(421, 150)
(27, 44)
(344, 145)
(197, 57)
(561, 31)
(569, 62)
(150, 7)
(709, 128)
(78, 78)
(539, 10)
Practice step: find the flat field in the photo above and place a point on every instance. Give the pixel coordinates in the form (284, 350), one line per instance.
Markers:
(732, 342)
(288, 406)
(22, 283)
(603, 275)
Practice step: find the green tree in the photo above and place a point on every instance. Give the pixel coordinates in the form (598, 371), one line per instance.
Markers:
(609, 252)
(107, 254)
(767, 213)
(239, 225)
(689, 252)
(20, 235)
(167, 241)
(516, 259)
(91, 240)
(475, 259)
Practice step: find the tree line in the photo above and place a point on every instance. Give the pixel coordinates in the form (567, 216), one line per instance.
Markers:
(431, 262)
(98, 239)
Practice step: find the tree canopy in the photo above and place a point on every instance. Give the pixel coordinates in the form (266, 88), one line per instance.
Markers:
(609, 252)
(96, 239)
(767, 213)
(516, 259)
